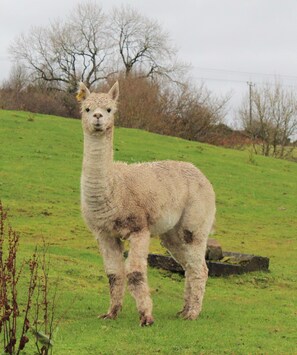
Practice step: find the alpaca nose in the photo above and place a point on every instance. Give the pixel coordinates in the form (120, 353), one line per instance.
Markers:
(97, 115)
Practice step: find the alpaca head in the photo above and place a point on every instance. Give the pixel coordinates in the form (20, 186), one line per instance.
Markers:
(97, 109)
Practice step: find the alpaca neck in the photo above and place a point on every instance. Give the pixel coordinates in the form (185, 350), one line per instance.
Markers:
(97, 169)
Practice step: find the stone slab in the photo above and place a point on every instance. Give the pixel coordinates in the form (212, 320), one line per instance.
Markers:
(230, 264)
(213, 250)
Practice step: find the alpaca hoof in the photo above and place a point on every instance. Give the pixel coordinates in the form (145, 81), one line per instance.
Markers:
(179, 314)
(108, 316)
(183, 312)
(146, 321)
(190, 315)
(112, 314)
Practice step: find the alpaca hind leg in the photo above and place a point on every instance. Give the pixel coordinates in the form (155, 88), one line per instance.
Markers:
(136, 271)
(171, 242)
(193, 232)
(196, 278)
(112, 251)
(196, 271)
(189, 251)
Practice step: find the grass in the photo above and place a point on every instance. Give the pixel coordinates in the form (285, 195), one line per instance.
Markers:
(40, 164)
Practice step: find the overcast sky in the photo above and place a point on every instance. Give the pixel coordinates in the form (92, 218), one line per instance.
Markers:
(227, 42)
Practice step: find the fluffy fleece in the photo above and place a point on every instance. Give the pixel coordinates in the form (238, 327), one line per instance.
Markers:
(134, 201)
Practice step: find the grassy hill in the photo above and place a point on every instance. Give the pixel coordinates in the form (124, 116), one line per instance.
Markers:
(40, 163)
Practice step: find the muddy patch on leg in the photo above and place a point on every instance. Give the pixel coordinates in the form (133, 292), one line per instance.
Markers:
(188, 236)
(135, 278)
(116, 306)
(127, 226)
(112, 278)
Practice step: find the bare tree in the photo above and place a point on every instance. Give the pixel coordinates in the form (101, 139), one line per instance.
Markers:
(67, 52)
(18, 79)
(273, 119)
(142, 45)
(90, 46)
(194, 111)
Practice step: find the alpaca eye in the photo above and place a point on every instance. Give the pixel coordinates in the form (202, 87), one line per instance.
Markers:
(87, 109)
(108, 110)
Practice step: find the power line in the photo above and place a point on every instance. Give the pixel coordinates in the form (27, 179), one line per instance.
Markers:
(292, 77)
(242, 81)
(219, 79)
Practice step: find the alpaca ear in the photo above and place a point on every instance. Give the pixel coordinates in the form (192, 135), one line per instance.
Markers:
(82, 93)
(114, 91)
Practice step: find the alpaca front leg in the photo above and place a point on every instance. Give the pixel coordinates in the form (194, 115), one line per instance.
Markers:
(112, 251)
(136, 270)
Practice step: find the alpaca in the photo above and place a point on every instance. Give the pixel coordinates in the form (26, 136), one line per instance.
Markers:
(131, 202)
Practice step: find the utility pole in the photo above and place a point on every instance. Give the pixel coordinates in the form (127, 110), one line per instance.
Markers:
(250, 84)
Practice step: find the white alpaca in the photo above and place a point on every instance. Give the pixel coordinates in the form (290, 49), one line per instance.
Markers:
(119, 201)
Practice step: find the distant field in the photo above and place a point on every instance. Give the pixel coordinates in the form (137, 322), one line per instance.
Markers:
(40, 163)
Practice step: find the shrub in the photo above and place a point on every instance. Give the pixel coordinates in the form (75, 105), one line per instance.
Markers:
(14, 323)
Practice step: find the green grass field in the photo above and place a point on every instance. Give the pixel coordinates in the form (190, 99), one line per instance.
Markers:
(40, 164)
